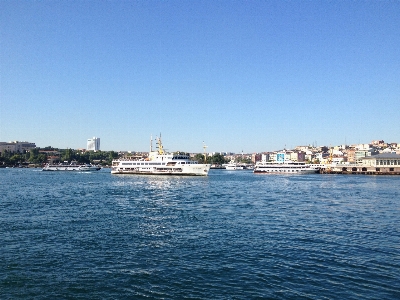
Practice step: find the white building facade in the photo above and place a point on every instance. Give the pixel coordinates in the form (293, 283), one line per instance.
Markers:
(16, 146)
(93, 144)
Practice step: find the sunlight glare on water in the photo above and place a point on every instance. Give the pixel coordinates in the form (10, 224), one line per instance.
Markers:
(228, 235)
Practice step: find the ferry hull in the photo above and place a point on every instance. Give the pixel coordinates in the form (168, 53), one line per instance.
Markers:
(77, 168)
(289, 168)
(198, 170)
(285, 171)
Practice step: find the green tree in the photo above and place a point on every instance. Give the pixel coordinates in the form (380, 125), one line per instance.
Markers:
(41, 158)
(112, 155)
(200, 158)
(16, 159)
(67, 155)
(218, 159)
(33, 154)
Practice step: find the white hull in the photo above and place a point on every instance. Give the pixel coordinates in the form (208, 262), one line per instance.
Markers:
(286, 168)
(195, 170)
(76, 168)
(234, 167)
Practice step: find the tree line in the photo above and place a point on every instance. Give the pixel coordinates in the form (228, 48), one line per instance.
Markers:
(39, 156)
(219, 159)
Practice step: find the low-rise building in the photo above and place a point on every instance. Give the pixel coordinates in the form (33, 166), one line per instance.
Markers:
(385, 163)
(16, 146)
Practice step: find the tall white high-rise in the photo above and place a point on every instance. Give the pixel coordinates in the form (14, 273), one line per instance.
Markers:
(93, 144)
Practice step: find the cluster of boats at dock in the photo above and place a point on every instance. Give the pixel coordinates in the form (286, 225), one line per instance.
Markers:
(160, 162)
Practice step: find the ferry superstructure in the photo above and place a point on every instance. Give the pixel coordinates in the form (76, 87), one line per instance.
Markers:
(161, 163)
(289, 167)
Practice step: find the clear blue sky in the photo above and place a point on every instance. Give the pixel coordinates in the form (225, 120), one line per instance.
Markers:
(238, 75)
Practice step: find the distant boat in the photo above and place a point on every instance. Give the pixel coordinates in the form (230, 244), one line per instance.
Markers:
(160, 163)
(233, 166)
(289, 167)
(71, 167)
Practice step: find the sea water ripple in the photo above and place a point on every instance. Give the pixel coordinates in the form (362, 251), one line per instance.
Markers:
(231, 235)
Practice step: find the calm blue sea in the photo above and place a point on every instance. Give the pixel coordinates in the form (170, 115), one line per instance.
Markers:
(231, 235)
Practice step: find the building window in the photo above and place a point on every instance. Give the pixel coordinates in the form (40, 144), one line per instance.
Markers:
(391, 169)
(378, 169)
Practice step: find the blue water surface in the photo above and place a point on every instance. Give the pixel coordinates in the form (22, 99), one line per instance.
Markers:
(231, 235)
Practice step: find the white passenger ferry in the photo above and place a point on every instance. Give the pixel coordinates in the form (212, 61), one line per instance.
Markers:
(288, 167)
(160, 163)
(73, 166)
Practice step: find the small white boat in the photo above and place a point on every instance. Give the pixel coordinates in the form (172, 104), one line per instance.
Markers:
(71, 167)
(233, 166)
(289, 167)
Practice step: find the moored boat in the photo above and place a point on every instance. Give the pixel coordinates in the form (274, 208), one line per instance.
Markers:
(160, 163)
(71, 167)
(234, 166)
(289, 167)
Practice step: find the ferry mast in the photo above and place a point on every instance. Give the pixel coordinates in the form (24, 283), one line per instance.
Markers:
(205, 153)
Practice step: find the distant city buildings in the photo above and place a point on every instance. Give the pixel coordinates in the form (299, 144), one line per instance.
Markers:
(340, 154)
(93, 144)
(16, 146)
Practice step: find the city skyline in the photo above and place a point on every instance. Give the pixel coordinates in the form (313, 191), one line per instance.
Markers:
(93, 144)
(238, 76)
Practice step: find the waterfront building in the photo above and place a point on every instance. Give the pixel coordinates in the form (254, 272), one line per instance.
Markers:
(255, 157)
(265, 157)
(93, 144)
(384, 160)
(16, 146)
(351, 155)
(360, 154)
(385, 163)
(297, 156)
(280, 157)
